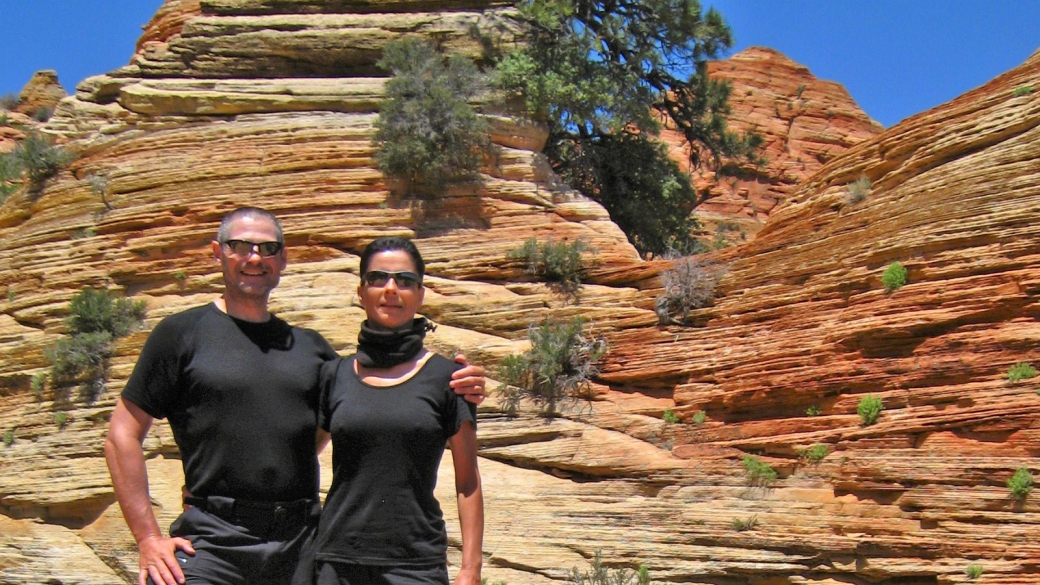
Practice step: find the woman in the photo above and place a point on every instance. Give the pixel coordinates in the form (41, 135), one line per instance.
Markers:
(389, 409)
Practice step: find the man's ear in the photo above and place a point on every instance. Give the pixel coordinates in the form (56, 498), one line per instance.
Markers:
(284, 255)
(216, 246)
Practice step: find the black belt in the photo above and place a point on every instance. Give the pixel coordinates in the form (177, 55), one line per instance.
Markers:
(232, 508)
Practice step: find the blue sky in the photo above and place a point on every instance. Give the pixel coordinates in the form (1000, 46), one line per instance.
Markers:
(896, 57)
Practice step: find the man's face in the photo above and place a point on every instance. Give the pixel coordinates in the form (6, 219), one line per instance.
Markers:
(247, 273)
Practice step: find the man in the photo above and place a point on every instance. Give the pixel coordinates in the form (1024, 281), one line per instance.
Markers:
(240, 389)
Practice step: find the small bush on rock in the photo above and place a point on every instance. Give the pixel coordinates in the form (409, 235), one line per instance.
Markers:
(858, 190)
(1021, 371)
(757, 471)
(869, 409)
(563, 358)
(561, 264)
(894, 276)
(1020, 484)
(96, 319)
(689, 285)
(598, 574)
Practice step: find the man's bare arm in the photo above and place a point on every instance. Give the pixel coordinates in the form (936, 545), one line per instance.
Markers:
(125, 457)
(469, 381)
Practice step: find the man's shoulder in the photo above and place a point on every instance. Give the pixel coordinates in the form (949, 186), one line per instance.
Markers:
(186, 319)
(315, 338)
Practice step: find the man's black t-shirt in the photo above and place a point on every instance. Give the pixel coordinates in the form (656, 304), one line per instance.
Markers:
(387, 444)
(241, 398)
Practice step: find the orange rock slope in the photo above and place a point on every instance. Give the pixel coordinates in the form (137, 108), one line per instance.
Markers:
(221, 107)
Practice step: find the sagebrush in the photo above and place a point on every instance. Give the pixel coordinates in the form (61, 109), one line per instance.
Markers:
(600, 574)
(561, 362)
(96, 319)
(858, 190)
(560, 263)
(37, 159)
(690, 284)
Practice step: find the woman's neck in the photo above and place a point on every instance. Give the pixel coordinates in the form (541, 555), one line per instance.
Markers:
(394, 374)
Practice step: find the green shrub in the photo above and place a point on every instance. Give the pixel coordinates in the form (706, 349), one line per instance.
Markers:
(757, 471)
(858, 190)
(180, 275)
(43, 113)
(744, 525)
(813, 411)
(1022, 90)
(61, 418)
(38, 159)
(559, 263)
(561, 361)
(37, 383)
(8, 437)
(869, 409)
(10, 176)
(815, 453)
(427, 133)
(894, 276)
(973, 571)
(1021, 371)
(670, 417)
(96, 319)
(699, 417)
(598, 574)
(1020, 484)
(690, 284)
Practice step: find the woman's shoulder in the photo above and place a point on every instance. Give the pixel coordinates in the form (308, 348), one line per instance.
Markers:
(440, 364)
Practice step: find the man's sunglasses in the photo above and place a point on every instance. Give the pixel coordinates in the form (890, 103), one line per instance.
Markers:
(245, 247)
(404, 279)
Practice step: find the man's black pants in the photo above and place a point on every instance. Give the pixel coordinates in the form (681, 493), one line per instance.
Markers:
(245, 543)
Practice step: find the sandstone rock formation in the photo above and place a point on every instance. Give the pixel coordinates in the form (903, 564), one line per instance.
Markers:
(804, 122)
(42, 91)
(221, 108)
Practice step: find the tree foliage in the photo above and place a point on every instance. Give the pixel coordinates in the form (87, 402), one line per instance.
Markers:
(603, 73)
(427, 132)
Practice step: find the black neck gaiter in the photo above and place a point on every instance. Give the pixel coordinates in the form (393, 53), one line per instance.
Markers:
(379, 348)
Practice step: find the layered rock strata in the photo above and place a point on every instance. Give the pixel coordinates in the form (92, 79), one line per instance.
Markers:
(803, 121)
(801, 324)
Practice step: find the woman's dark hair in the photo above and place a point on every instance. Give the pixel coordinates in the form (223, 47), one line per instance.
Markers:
(389, 244)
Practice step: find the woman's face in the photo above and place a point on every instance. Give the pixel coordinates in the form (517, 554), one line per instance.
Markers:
(390, 303)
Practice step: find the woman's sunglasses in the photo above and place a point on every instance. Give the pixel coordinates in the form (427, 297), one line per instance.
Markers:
(404, 279)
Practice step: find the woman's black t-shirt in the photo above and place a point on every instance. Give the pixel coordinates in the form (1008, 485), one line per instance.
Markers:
(387, 444)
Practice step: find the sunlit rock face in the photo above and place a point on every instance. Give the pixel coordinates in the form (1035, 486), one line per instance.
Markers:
(803, 121)
(223, 106)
